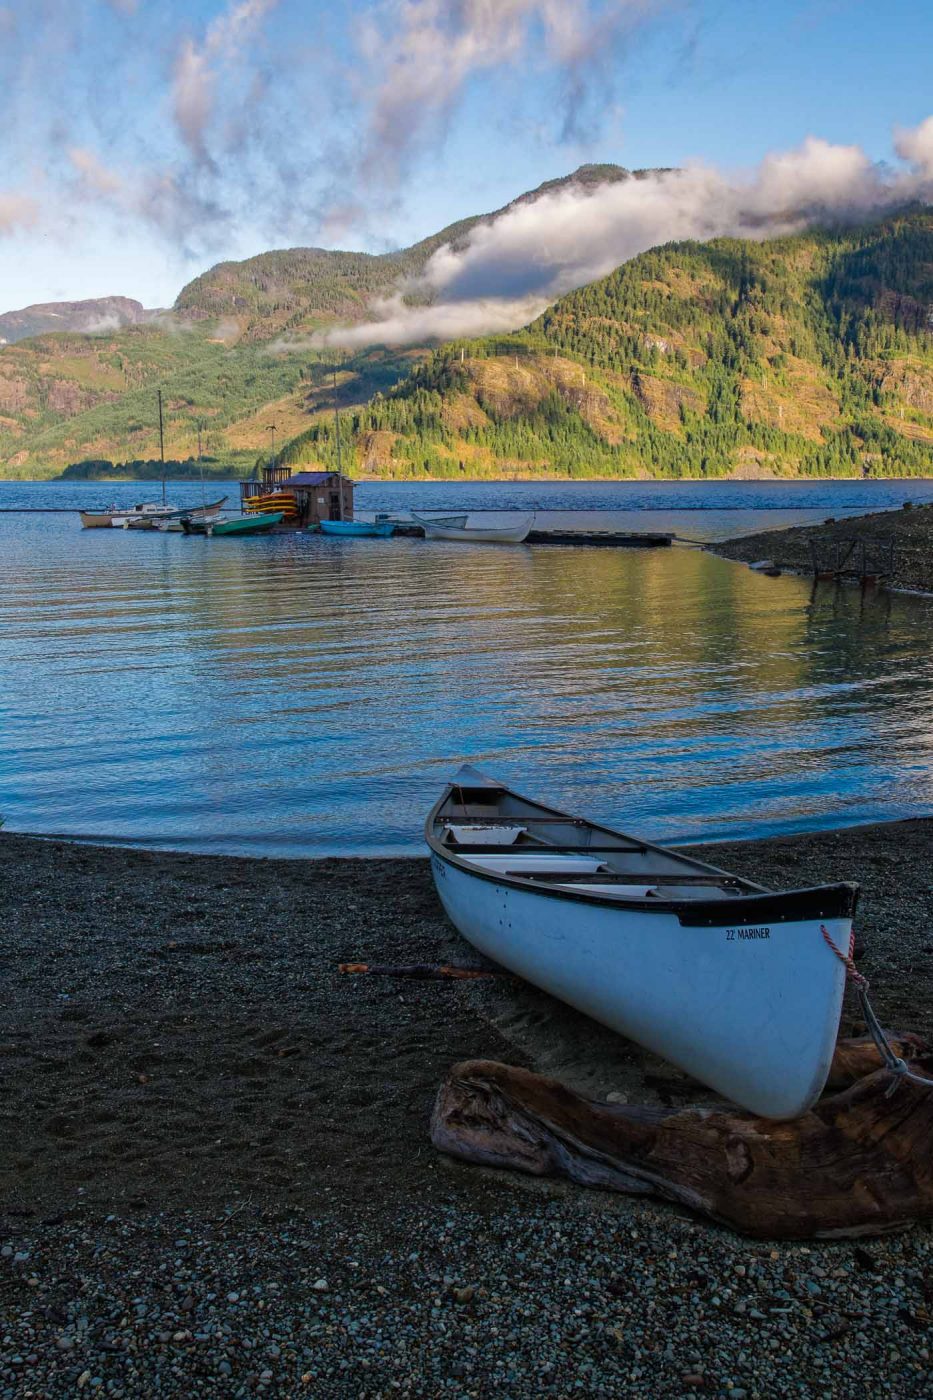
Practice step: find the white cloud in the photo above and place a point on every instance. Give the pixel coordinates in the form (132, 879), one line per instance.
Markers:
(512, 267)
(421, 54)
(194, 76)
(17, 211)
(916, 146)
(93, 174)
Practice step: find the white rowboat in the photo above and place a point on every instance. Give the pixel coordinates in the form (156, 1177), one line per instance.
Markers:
(438, 529)
(734, 983)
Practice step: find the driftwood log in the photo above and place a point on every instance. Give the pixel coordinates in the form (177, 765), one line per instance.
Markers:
(859, 1163)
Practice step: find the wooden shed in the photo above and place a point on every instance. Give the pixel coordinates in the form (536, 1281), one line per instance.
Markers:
(308, 497)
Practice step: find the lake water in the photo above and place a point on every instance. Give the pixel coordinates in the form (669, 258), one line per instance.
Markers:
(299, 695)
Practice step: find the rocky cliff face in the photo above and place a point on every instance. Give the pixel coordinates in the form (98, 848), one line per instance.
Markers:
(87, 317)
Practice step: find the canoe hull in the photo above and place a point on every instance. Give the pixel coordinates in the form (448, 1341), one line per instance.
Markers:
(751, 1010)
(246, 525)
(480, 534)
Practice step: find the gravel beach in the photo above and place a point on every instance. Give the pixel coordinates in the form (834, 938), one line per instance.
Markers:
(216, 1177)
(910, 530)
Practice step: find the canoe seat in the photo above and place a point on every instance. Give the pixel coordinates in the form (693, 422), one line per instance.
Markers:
(623, 891)
(540, 863)
(486, 835)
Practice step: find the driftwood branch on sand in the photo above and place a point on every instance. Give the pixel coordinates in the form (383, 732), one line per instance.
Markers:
(859, 1163)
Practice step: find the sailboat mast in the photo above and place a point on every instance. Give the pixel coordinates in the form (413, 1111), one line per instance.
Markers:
(339, 469)
(161, 446)
(200, 466)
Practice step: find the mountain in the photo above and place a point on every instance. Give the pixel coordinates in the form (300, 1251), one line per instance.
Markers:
(807, 355)
(221, 356)
(87, 317)
(796, 355)
(298, 290)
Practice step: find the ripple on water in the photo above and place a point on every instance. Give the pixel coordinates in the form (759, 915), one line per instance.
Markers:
(297, 695)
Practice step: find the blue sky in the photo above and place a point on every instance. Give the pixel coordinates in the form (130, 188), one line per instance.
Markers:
(143, 140)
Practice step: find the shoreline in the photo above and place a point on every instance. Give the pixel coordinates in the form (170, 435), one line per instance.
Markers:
(504, 480)
(101, 843)
(908, 531)
(216, 1175)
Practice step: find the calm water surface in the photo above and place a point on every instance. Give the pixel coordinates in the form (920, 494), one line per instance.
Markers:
(298, 695)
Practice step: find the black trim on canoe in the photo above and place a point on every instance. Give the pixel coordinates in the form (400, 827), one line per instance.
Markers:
(757, 908)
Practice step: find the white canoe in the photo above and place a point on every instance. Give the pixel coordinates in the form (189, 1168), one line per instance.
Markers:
(481, 534)
(734, 983)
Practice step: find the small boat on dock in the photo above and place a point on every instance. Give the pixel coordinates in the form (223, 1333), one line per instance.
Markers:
(380, 528)
(738, 985)
(456, 528)
(142, 516)
(236, 525)
(208, 514)
(148, 515)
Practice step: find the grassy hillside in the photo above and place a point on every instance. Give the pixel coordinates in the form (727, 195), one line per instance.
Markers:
(65, 399)
(810, 355)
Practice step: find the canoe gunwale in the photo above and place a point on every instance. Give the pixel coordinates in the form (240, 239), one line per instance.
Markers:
(757, 906)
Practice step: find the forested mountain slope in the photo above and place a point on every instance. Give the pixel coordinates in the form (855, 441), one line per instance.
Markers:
(222, 356)
(806, 355)
(296, 290)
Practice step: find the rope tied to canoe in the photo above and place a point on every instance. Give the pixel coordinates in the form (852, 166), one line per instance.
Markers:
(895, 1066)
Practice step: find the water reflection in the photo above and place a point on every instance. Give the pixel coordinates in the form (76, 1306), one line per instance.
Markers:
(299, 695)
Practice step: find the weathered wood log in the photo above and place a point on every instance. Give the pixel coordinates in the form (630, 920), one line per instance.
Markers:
(859, 1163)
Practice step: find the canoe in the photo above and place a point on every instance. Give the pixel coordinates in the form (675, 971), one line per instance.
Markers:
(237, 525)
(734, 983)
(475, 534)
(358, 529)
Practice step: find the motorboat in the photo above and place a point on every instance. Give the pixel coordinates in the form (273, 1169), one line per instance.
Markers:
(235, 525)
(380, 528)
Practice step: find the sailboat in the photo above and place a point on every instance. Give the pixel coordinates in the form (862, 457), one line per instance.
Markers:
(204, 512)
(140, 517)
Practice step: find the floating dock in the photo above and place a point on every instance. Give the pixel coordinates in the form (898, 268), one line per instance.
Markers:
(624, 539)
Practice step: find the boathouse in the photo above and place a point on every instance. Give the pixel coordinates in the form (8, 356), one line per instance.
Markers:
(307, 497)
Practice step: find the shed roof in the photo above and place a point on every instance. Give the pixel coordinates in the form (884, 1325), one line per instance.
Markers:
(308, 479)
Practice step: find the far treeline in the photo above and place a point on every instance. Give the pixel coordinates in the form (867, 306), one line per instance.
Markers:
(801, 356)
(99, 469)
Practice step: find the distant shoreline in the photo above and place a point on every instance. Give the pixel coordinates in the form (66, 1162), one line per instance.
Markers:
(213, 475)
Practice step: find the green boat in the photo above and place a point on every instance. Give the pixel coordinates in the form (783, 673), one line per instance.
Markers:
(238, 525)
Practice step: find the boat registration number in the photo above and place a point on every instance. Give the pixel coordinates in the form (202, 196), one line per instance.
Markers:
(743, 934)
